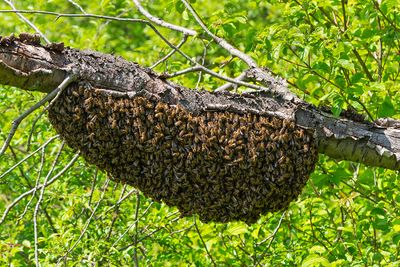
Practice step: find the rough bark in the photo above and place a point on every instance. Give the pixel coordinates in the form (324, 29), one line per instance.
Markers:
(25, 64)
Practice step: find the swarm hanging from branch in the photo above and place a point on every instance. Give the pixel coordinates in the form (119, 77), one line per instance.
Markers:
(222, 155)
(221, 165)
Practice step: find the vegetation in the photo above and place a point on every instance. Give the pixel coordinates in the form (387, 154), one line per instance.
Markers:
(342, 54)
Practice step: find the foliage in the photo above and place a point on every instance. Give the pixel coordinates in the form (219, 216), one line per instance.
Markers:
(342, 54)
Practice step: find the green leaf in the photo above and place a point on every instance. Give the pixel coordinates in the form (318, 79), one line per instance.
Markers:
(179, 6)
(236, 229)
(256, 231)
(317, 249)
(320, 180)
(366, 177)
(346, 64)
(396, 239)
(185, 15)
(26, 243)
(315, 260)
(378, 211)
(386, 109)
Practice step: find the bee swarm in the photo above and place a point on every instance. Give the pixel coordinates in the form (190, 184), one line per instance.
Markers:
(220, 165)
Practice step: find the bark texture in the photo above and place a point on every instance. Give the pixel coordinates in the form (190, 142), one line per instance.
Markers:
(24, 63)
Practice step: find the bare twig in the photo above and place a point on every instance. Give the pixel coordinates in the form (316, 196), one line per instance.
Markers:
(36, 184)
(184, 39)
(47, 98)
(132, 225)
(182, 230)
(118, 203)
(27, 180)
(181, 72)
(271, 238)
(206, 70)
(220, 41)
(135, 237)
(115, 213)
(93, 186)
(202, 241)
(83, 232)
(73, 15)
(52, 180)
(35, 213)
(78, 6)
(203, 58)
(162, 23)
(28, 142)
(227, 86)
(30, 155)
(27, 21)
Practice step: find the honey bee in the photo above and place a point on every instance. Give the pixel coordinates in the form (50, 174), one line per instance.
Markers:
(212, 139)
(188, 135)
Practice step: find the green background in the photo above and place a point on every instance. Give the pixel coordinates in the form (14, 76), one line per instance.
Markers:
(341, 54)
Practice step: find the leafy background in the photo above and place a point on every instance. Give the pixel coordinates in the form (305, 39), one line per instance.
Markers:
(341, 54)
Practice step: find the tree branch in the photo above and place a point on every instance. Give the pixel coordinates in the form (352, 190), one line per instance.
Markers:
(27, 21)
(232, 50)
(340, 138)
(44, 100)
(161, 22)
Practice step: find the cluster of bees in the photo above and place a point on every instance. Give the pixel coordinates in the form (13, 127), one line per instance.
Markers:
(220, 165)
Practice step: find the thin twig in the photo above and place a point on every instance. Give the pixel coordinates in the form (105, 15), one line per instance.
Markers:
(181, 72)
(52, 180)
(184, 39)
(202, 241)
(228, 248)
(24, 175)
(78, 6)
(28, 142)
(132, 225)
(88, 221)
(36, 185)
(47, 98)
(203, 59)
(27, 21)
(135, 238)
(30, 155)
(35, 213)
(115, 213)
(227, 86)
(74, 15)
(161, 22)
(344, 2)
(206, 70)
(182, 230)
(220, 41)
(117, 203)
(93, 186)
(312, 230)
(376, 5)
(271, 237)
(343, 31)
(152, 233)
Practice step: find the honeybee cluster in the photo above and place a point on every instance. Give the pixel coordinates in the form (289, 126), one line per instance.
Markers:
(220, 165)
